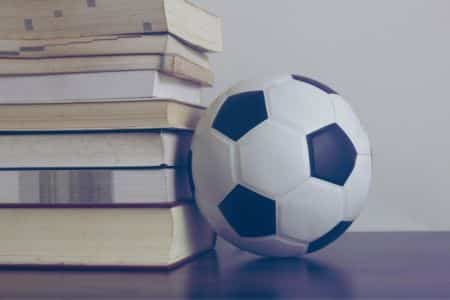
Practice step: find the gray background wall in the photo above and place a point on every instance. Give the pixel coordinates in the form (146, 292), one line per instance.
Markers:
(390, 59)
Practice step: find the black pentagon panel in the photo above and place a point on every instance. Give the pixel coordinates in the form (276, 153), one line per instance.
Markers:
(190, 173)
(240, 113)
(315, 83)
(332, 154)
(330, 237)
(249, 214)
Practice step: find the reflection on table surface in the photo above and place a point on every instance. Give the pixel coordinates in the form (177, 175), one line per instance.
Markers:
(359, 265)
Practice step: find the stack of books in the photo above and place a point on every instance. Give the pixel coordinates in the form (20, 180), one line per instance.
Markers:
(98, 102)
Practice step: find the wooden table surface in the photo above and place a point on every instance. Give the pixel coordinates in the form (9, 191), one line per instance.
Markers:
(360, 265)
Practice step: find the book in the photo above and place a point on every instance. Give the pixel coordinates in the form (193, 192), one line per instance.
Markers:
(94, 188)
(120, 114)
(167, 64)
(103, 149)
(97, 87)
(153, 237)
(131, 44)
(37, 19)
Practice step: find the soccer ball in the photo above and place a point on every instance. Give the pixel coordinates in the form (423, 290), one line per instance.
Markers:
(281, 166)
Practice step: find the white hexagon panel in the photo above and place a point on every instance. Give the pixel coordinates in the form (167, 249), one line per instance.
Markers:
(273, 159)
(350, 123)
(357, 187)
(279, 246)
(324, 204)
(300, 105)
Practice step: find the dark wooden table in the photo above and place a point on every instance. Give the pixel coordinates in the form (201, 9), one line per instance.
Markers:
(360, 265)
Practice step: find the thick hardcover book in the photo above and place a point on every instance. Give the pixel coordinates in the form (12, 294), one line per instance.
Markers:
(152, 237)
(94, 188)
(129, 114)
(37, 19)
(97, 87)
(131, 44)
(103, 149)
(168, 64)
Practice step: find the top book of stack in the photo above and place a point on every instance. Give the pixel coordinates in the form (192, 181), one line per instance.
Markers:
(60, 19)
